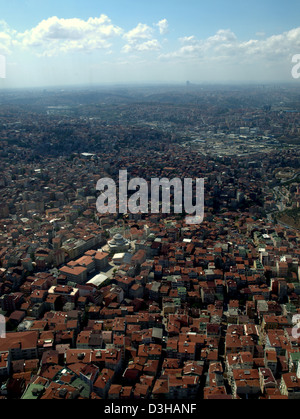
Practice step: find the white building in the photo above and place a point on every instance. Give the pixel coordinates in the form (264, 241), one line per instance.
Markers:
(119, 244)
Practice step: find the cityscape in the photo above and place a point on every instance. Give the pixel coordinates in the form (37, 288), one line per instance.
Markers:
(126, 306)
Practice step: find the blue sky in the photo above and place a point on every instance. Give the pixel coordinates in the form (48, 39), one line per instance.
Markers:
(126, 41)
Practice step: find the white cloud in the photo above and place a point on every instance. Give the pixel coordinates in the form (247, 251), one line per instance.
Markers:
(54, 35)
(225, 44)
(151, 45)
(140, 39)
(140, 32)
(5, 43)
(6, 38)
(188, 40)
(163, 26)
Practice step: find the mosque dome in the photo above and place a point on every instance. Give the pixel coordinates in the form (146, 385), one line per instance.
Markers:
(119, 243)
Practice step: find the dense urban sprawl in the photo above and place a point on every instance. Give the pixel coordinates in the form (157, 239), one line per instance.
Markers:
(145, 306)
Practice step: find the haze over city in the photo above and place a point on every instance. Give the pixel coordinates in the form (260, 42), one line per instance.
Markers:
(53, 43)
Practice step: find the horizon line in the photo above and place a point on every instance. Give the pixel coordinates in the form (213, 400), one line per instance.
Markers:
(185, 84)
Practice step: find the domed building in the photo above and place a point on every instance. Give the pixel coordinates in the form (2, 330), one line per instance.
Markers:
(119, 244)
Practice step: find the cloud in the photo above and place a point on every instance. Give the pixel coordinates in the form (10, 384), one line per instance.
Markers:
(163, 26)
(58, 36)
(225, 44)
(152, 45)
(6, 38)
(140, 32)
(54, 35)
(140, 39)
(5, 43)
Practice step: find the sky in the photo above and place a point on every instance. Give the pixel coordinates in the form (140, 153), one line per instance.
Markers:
(70, 42)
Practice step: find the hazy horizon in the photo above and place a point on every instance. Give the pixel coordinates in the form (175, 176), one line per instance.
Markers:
(152, 85)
